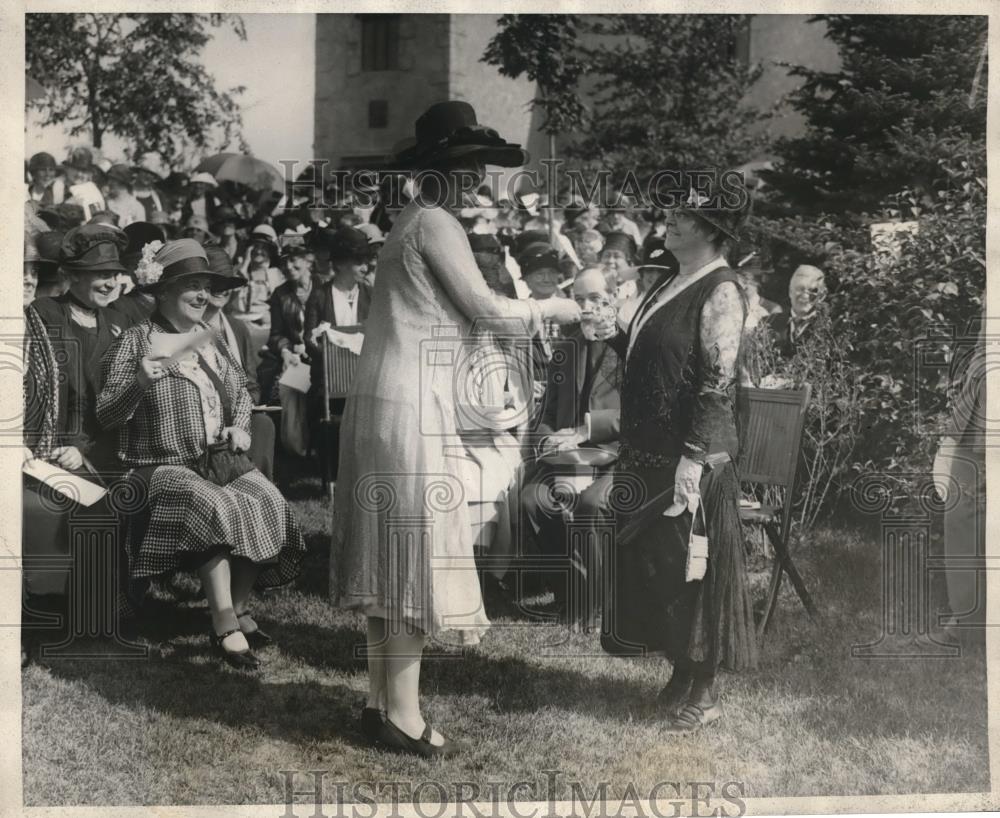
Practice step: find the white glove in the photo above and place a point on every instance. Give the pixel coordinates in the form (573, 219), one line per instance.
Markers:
(687, 491)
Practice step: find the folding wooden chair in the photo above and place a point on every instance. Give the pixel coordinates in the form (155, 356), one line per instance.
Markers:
(773, 420)
(339, 368)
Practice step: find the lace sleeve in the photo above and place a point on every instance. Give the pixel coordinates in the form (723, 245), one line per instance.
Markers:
(722, 318)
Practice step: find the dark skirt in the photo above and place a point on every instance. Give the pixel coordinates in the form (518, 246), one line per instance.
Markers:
(707, 624)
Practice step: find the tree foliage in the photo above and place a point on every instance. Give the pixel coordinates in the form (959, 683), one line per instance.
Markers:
(137, 76)
(669, 93)
(901, 103)
(546, 49)
(637, 92)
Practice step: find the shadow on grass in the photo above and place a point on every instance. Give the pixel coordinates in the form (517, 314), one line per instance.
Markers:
(180, 687)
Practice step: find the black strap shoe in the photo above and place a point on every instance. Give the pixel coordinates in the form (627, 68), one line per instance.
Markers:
(239, 659)
(392, 738)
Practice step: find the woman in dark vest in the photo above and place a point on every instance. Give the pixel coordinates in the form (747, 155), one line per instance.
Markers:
(678, 450)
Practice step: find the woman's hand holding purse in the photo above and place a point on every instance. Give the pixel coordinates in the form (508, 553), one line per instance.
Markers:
(687, 487)
(239, 441)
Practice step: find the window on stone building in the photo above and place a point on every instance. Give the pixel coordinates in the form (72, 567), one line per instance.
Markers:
(379, 42)
(378, 113)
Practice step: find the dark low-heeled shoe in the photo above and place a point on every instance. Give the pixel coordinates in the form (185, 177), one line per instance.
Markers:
(239, 659)
(392, 738)
(256, 639)
(371, 723)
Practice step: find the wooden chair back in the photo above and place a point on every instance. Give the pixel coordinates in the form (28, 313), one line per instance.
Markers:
(339, 368)
(771, 440)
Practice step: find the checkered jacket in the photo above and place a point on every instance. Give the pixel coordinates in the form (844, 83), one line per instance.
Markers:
(163, 424)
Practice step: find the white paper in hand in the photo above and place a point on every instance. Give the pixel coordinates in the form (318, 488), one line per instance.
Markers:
(296, 377)
(66, 483)
(171, 347)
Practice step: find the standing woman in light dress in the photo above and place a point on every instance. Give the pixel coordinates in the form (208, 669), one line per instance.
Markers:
(402, 544)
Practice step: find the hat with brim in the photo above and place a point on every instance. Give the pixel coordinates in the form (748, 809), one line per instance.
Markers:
(121, 174)
(703, 204)
(41, 161)
(450, 130)
(197, 223)
(180, 259)
(220, 264)
(81, 159)
(92, 248)
(622, 242)
(347, 243)
(538, 256)
(204, 178)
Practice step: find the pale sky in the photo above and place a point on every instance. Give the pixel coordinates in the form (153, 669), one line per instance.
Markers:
(276, 63)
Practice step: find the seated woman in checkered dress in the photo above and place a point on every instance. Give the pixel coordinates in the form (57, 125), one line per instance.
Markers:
(195, 508)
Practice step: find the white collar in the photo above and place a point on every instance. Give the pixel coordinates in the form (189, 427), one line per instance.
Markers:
(656, 301)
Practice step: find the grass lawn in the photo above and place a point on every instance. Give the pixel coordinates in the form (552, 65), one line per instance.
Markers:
(178, 728)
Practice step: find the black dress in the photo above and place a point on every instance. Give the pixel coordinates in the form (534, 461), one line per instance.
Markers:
(677, 400)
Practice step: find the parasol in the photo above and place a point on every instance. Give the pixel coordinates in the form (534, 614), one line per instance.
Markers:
(247, 170)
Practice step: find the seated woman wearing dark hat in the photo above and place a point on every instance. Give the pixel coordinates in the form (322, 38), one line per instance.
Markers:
(235, 335)
(67, 337)
(420, 582)
(183, 424)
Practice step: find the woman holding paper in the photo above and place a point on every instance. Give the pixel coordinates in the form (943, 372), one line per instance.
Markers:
(677, 454)
(179, 402)
(402, 543)
(342, 303)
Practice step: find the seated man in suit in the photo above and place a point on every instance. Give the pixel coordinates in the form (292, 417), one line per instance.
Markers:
(806, 292)
(581, 412)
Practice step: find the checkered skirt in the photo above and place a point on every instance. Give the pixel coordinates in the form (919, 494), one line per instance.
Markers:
(188, 514)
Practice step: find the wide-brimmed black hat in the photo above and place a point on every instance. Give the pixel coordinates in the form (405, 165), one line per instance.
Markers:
(220, 264)
(120, 173)
(346, 242)
(725, 209)
(450, 130)
(93, 248)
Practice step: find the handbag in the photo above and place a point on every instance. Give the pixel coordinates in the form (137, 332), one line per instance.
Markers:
(697, 551)
(219, 465)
